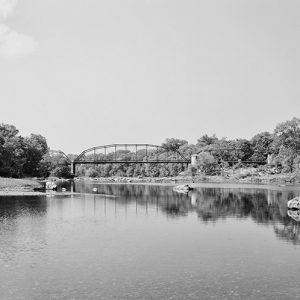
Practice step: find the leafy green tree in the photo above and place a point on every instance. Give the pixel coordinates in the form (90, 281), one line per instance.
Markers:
(244, 150)
(287, 134)
(61, 172)
(286, 145)
(206, 140)
(173, 144)
(286, 158)
(163, 171)
(36, 148)
(91, 172)
(11, 151)
(261, 145)
(13, 157)
(207, 164)
(8, 131)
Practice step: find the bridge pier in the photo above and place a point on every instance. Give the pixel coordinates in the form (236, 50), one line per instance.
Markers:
(73, 168)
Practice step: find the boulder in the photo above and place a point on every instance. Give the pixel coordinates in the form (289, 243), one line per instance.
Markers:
(294, 203)
(184, 188)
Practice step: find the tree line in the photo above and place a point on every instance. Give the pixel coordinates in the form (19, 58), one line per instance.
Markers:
(216, 154)
(31, 156)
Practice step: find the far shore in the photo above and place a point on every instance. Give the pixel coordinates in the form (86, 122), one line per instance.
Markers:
(25, 186)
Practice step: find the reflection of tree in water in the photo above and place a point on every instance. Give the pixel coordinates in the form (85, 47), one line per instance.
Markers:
(11, 207)
(211, 204)
(263, 206)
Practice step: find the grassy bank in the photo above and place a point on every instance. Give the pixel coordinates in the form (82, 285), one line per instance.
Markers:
(14, 184)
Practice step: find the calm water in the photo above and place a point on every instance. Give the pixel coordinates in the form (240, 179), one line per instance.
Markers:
(148, 242)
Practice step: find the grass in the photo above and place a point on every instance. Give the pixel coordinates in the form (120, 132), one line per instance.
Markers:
(13, 183)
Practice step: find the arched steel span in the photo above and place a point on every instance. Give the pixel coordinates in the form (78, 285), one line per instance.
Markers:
(59, 152)
(114, 153)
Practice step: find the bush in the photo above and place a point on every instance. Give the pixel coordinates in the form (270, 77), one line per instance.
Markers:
(61, 172)
(207, 164)
(91, 173)
(192, 170)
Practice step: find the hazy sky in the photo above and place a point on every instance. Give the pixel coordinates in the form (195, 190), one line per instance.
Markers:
(85, 73)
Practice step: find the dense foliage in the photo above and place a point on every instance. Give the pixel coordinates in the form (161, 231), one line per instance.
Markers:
(20, 156)
(30, 156)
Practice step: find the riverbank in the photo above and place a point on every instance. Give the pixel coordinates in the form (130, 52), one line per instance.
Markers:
(16, 184)
(242, 177)
(12, 186)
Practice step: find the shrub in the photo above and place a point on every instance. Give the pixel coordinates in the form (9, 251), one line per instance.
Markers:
(207, 164)
(61, 171)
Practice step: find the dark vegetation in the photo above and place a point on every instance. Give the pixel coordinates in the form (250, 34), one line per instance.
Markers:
(31, 156)
(28, 156)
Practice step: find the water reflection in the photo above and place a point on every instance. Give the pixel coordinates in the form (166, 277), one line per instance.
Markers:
(149, 242)
(211, 204)
(13, 206)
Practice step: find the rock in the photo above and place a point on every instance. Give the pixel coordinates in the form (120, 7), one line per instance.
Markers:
(294, 214)
(184, 188)
(294, 203)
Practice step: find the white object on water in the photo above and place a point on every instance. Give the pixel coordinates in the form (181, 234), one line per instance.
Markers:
(63, 189)
(95, 190)
(294, 203)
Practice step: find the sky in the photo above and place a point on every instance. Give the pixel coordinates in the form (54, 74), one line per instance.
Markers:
(86, 73)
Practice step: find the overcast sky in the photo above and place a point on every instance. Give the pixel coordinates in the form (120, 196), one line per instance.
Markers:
(86, 73)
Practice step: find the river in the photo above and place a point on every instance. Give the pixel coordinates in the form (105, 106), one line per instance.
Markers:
(149, 242)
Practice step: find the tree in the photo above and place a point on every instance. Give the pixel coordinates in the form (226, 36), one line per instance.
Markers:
(91, 172)
(173, 144)
(12, 157)
(36, 148)
(206, 140)
(61, 172)
(286, 143)
(261, 145)
(11, 151)
(8, 131)
(287, 134)
(207, 164)
(244, 150)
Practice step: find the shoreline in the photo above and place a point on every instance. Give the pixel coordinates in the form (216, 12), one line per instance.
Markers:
(24, 187)
(248, 179)
(228, 185)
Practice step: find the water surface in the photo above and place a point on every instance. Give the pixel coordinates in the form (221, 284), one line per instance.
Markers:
(149, 242)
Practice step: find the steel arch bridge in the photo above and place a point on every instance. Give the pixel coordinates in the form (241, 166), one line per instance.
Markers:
(129, 154)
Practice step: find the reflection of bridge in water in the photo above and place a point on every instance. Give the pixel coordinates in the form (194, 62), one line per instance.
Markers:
(129, 154)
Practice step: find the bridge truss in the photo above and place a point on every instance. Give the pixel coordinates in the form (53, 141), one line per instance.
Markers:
(129, 154)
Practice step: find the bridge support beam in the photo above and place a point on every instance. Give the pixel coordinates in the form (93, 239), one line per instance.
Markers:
(73, 170)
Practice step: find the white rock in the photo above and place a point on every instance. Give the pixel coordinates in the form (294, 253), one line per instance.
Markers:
(294, 203)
